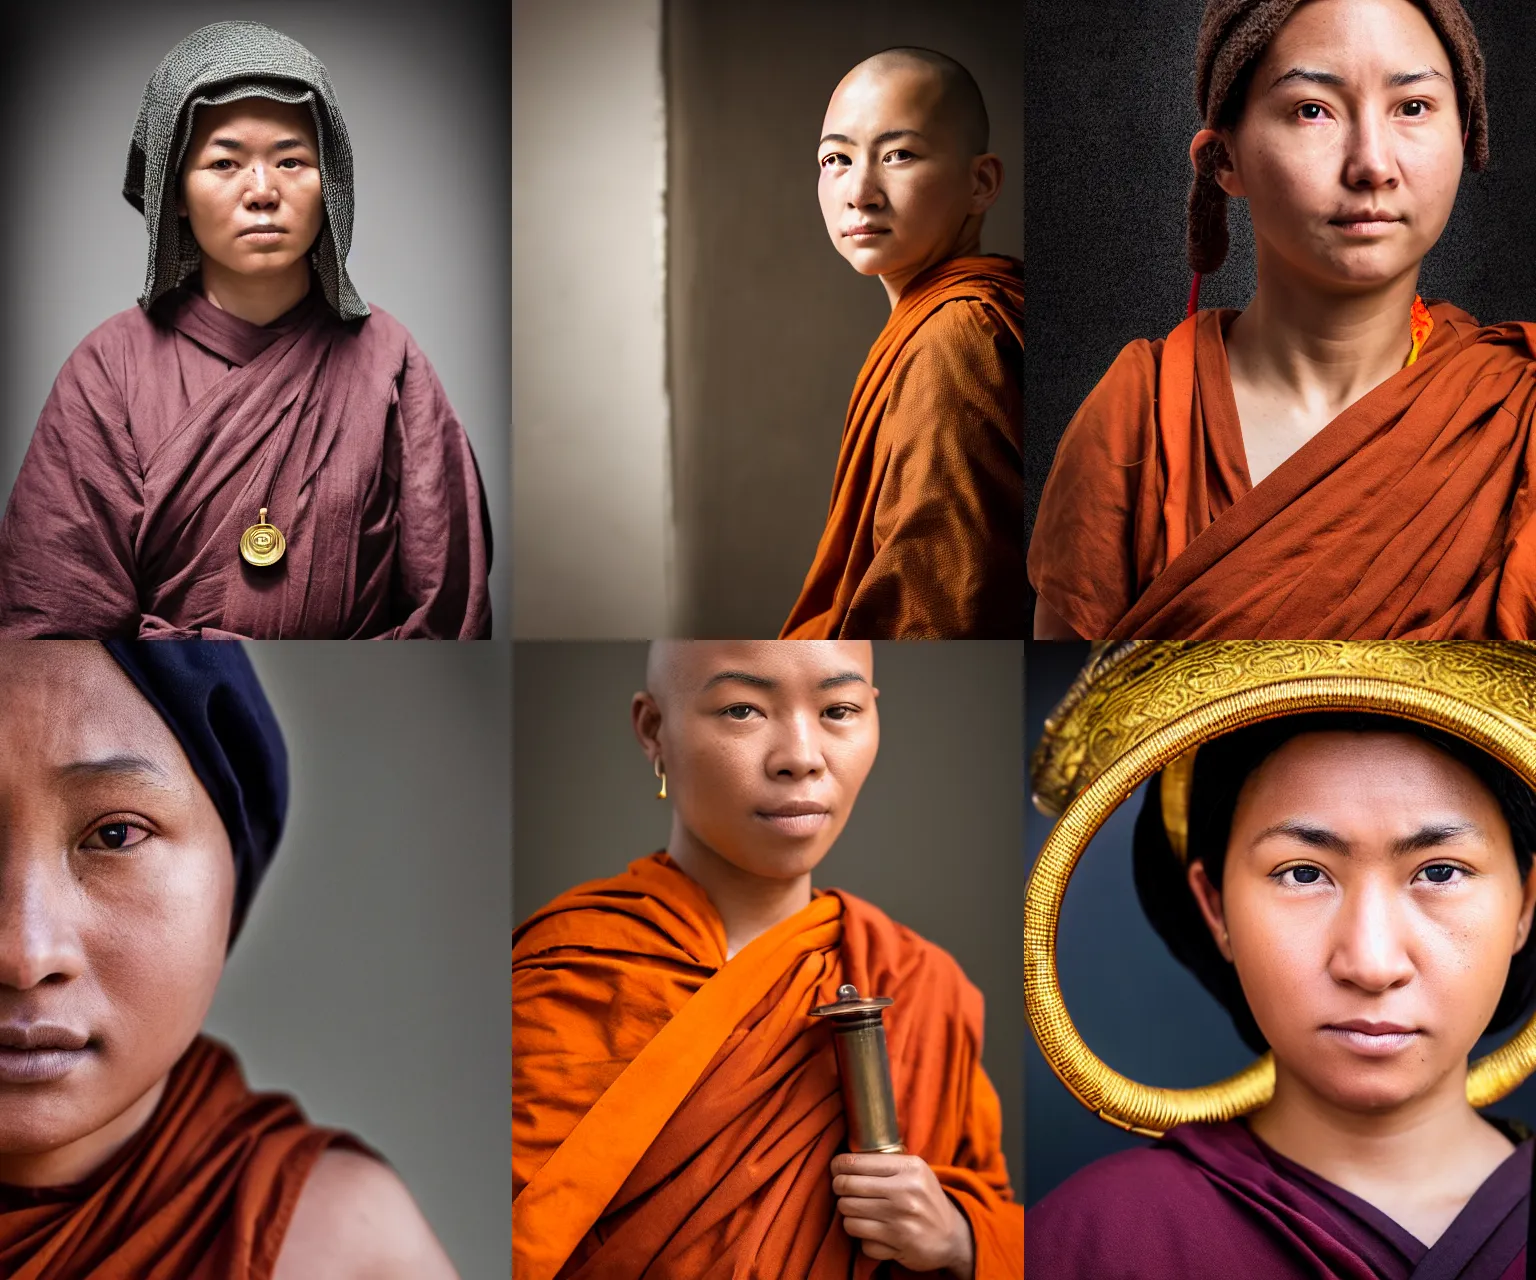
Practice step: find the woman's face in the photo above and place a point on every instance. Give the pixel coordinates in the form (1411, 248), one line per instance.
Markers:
(1350, 146)
(1373, 903)
(116, 887)
(250, 185)
(765, 746)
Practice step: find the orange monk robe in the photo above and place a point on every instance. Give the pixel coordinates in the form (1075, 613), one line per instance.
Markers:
(925, 535)
(204, 1192)
(675, 1114)
(1409, 515)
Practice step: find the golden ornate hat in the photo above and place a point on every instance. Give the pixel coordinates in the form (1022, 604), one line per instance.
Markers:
(1143, 708)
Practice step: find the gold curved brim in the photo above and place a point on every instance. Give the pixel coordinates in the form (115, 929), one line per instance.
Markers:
(262, 545)
(1481, 693)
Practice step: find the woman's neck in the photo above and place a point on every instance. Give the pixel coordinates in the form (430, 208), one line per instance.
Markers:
(1433, 1141)
(749, 905)
(76, 1161)
(255, 299)
(1317, 345)
(966, 244)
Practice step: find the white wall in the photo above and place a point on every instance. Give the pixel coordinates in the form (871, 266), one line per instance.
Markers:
(590, 456)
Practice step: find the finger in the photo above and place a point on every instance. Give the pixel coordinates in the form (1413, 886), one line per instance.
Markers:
(875, 1249)
(870, 1164)
(868, 1229)
(846, 1184)
(874, 1210)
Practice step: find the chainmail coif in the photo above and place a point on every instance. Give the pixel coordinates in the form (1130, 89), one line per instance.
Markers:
(1233, 37)
(218, 64)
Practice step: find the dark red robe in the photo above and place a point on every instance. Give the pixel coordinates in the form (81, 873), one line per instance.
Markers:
(1213, 1202)
(165, 435)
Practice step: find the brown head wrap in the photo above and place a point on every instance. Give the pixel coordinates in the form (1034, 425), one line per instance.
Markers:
(1233, 37)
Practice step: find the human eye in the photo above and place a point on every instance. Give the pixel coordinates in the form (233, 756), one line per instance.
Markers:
(899, 155)
(223, 164)
(740, 712)
(115, 835)
(833, 158)
(1415, 108)
(1442, 873)
(1311, 112)
(1299, 876)
(290, 162)
(842, 711)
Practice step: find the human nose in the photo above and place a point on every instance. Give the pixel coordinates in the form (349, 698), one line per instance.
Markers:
(865, 191)
(797, 749)
(262, 191)
(1370, 946)
(38, 942)
(1370, 162)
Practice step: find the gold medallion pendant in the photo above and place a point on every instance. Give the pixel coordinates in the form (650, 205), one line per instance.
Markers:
(262, 544)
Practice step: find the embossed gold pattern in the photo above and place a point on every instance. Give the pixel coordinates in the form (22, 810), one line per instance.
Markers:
(1138, 707)
(262, 544)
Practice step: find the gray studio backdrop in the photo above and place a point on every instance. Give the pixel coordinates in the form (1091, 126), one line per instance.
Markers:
(768, 324)
(1137, 1008)
(1112, 113)
(934, 840)
(370, 979)
(424, 89)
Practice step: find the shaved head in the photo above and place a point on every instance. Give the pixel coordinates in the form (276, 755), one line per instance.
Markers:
(960, 104)
(687, 667)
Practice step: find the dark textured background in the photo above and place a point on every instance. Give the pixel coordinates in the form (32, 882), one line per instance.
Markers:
(1109, 97)
(933, 841)
(1140, 1010)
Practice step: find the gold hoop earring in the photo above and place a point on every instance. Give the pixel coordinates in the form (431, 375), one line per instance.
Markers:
(662, 774)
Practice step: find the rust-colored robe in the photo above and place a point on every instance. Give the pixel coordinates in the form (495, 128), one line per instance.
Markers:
(674, 1114)
(204, 1192)
(163, 438)
(925, 535)
(1409, 515)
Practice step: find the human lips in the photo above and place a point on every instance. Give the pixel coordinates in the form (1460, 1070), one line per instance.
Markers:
(865, 231)
(1373, 1039)
(1365, 222)
(796, 817)
(264, 229)
(38, 1052)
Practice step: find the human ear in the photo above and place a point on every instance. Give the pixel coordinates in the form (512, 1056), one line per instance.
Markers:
(645, 719)
(1527, 905)
(986, 182)
(1208, 896)
(1211, 151)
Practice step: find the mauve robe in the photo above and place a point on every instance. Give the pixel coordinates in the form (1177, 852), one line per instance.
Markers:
(925, 534)
(204, 1192)
(165, 435)
(676, 1111)
(1212, 1202)
(1408, 516)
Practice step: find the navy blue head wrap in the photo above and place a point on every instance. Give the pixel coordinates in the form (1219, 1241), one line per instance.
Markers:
(210, 697)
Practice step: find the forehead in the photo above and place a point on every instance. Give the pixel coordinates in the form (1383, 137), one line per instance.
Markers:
(64, 702)
(1344, 765)
(1335, 34)
(254, 118)
(791, 664)
(879, 96)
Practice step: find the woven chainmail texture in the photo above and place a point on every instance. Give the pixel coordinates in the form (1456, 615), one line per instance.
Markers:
(218, 64)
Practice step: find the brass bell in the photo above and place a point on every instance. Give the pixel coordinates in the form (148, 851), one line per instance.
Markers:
(262, 544)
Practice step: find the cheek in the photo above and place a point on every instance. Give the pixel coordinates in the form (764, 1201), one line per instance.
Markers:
(158, 944)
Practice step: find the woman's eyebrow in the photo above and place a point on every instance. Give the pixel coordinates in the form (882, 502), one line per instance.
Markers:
(1394, 81)
(1426, 837)
(125, 765)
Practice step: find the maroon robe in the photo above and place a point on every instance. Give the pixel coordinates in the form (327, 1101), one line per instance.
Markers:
(1213, 1202)
(165, 435)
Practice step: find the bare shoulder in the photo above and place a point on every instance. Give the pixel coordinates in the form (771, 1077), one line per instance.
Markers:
(355, 1218)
